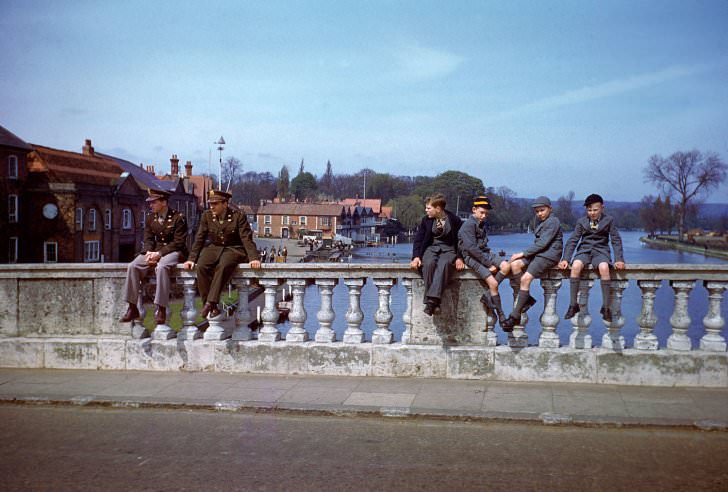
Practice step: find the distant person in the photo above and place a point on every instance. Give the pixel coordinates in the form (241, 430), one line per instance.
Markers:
(535, 260)
(272, 255)
(230, 243)
(435, 250)
(473, 245)
(285, 254)
(263, 255)
(590, 239)
(165, 235)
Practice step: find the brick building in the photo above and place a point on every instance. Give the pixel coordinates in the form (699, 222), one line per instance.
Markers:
(284, 220)
(13, 175)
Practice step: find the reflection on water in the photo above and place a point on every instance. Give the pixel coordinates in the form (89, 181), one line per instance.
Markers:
(634, 251)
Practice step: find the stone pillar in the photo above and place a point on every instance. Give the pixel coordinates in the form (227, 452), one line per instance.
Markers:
(550, 318)
(297, 316)
(163, 332)
(326, 314)
(612, 338)
(243, 317)
(713, 321)
(217, 327)
(645, 339)
(518, 338)
(407, 315)
(680, 319)
(383, 317)
(269, 332)
(354, 315)
(138, 330)
(580, 337)
(189, 329)
(491, 339)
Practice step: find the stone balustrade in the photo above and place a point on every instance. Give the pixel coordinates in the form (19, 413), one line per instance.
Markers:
(66, 315)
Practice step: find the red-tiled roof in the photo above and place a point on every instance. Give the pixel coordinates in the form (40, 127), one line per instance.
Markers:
(374, 203)
(71, 167)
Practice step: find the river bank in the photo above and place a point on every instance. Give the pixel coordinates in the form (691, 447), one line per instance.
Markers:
(689, 248)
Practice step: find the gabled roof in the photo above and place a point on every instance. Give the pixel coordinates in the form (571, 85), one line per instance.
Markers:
(71, 167)
(145, 179)
(321, 209)
(9, 139)
(374, 203)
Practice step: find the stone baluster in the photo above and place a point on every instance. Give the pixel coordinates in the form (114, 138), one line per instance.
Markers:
(680, 319)
(580, 337)
(269, 332)
(326, 314)
(297, 316)
(491, 339)
(243, 317)
(407, 315)
(383, 317)
(218, 327)
(138, 330)
(189, 329)
(354, 315)
(646, 339)
(550, 318)
(713, 321)
(612, 338)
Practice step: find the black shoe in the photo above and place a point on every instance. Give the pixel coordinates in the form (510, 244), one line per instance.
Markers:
(529, 303)
(508, 323)
(210, 309)
(606, 314)
(572, 311)
(487, 300)
(428, 309)
(431, 306)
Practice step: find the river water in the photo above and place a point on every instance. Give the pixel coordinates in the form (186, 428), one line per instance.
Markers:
(634, 251)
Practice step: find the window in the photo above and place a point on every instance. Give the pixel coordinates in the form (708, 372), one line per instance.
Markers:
(143, 218)
(13, 167)
(302, 220)
(13, 250)
(325, 221)
(50, 252)
(91, 251)
(266, 231)
(126, 219)
(12, 208)
(92, 219)
(79, 219)
(107, 219)
(266, 219)
(285, 220)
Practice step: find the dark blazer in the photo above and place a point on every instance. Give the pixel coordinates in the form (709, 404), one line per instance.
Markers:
(232, 231)
(168, 236)
(549, 240)
(586, 240)
(474, 242)
(424, 237)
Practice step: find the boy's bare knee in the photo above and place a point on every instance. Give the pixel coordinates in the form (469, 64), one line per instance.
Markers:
(604, 270)
(526, 281)
(576, 268)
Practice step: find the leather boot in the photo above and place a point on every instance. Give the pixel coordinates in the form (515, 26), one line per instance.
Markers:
(132, 313)
(210, 309)
(160, 315)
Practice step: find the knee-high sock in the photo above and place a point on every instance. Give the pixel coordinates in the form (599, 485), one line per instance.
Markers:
(498, 307)
(574, 284)
(516, 281)
(523, 296)
(499, 277)
(606, 287)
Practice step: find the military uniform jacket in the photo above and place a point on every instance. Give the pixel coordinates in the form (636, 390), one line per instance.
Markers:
(166, 234)
(549, 241)
(231, 231)
(424, 236)
(584, 239)
(473, 241)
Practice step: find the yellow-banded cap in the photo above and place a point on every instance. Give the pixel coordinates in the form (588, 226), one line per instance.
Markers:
(482, 201)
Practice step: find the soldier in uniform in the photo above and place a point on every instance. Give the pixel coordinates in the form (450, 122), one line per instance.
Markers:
(164, 247)
(230, 243)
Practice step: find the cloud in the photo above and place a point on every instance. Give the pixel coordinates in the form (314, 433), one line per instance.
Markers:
(610, 88)
(420, 63)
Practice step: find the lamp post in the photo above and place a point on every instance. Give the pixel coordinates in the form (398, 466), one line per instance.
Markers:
(220, 147)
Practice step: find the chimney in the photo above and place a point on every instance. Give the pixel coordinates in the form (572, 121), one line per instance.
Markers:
(150, 169)
(88, 148)
(188, 169)
(175, 165)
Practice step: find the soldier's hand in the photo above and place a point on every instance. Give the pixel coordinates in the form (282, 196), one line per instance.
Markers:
(189, 265)
(255, 264)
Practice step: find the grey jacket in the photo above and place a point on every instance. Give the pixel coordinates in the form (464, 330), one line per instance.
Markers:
(473, 241)
(586, 240)
(549, 241)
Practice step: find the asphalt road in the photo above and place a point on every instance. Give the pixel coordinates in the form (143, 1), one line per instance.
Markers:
(69, 448)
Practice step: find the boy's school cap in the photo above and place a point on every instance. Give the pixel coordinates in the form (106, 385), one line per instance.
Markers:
(541, 201)
(593, 198)
(482, 201)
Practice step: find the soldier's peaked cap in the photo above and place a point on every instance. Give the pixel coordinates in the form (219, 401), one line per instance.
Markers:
(158, 195)
(218, 196)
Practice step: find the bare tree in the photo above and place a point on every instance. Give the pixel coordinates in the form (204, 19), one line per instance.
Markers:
(688, 174)
(231, 170)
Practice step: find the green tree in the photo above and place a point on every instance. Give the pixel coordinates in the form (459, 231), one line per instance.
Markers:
(459, 189)
(565, 209)
(284, 183)
(689, 175)
(304, 186)
(326, 183)
(408, 209)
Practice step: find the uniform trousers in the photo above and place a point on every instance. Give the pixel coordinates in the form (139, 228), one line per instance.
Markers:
(437, 268)
(215, 271)
(138, 269)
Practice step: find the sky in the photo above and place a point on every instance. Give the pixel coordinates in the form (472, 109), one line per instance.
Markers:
(541, 97)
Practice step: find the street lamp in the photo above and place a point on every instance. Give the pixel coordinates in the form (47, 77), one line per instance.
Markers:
(220, 147)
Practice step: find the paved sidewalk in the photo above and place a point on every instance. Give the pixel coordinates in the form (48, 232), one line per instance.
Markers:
(547, 403)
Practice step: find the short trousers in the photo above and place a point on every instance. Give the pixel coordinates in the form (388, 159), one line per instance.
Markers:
(482, 270)
(538, 265)
(593, 258)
